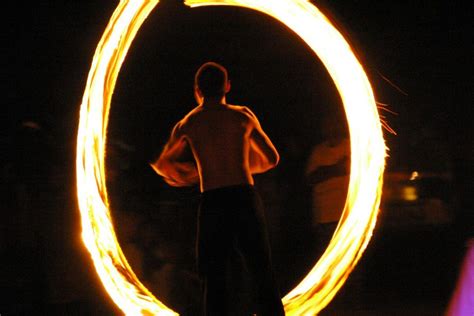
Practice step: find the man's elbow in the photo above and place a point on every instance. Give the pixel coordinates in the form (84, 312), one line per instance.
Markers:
(158, 167)
(270, 164)
(274, 160)
(267, 162)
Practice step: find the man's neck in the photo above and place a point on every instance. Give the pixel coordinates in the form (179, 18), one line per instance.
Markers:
(212, 102)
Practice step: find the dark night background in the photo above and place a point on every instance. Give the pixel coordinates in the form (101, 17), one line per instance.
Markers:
(417, 54)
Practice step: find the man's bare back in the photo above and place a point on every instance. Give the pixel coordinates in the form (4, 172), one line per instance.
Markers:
(227, 144)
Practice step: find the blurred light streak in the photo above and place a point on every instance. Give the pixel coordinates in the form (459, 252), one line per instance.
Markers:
(461, 302)
(351, 237)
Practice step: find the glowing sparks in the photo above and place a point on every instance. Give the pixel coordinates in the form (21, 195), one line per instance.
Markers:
(367, 155)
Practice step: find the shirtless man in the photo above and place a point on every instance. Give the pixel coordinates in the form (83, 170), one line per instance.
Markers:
(220, 146)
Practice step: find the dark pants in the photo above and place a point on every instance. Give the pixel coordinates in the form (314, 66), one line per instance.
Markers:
(231, 220)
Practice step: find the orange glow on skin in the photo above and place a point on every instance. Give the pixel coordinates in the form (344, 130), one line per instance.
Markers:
(358, 220)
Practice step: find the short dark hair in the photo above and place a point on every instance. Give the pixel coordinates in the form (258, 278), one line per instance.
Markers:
(211, 79)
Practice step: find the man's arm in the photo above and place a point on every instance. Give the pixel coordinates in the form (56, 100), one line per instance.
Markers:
(324, 164)
(263, 155)
(176, 163)
(324, 173)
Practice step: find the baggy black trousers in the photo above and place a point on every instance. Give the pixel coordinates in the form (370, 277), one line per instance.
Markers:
(232, 217)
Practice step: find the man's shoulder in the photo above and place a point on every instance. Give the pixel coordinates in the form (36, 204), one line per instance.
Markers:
(189, 117)
(238, 112)
(193, 112)
(237, 108)
(243, 110)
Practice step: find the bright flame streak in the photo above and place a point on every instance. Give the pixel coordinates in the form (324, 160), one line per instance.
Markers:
(367, 155)
(98, 233)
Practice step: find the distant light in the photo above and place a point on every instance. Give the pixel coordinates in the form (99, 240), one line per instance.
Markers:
(409, 193)
(31, 124)
(414, 175)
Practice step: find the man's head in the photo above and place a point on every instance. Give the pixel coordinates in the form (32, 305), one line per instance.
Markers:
(211, 81)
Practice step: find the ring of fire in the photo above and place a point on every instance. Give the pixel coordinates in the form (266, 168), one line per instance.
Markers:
(317, 289)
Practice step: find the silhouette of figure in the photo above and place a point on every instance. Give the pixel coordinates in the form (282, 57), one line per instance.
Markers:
(327, 172)
(220, 146)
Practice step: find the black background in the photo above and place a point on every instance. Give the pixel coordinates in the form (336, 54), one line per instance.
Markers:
(418, 56)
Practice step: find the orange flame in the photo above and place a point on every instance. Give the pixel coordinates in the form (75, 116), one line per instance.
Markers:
(355, 228)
